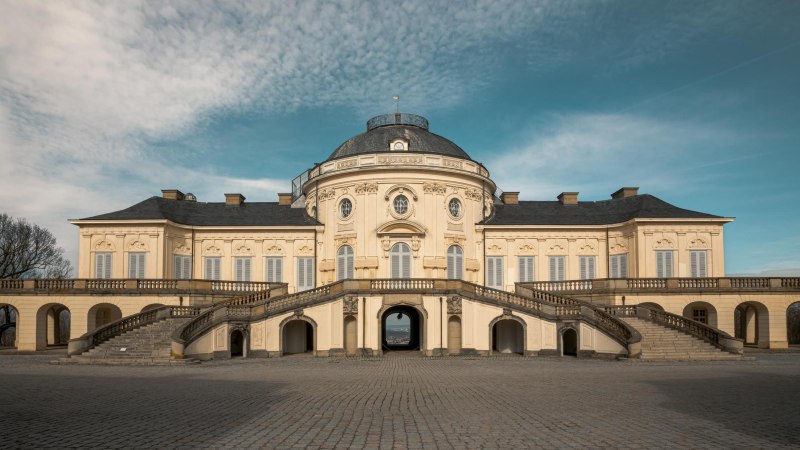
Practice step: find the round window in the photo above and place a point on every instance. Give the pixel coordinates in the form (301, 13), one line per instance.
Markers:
(345, 208)
(400, 204)
(455, 208)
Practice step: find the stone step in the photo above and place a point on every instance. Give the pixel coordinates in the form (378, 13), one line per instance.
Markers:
(660, 343)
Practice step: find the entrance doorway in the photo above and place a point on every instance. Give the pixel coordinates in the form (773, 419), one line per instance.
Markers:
(569, 342)
(401, 329)
(237, 344)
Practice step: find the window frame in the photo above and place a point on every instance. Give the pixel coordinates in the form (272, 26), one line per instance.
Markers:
(212, 268)
(137, 265)
(495, 272)
(587, 267)
(276, 264)
(345, 263)
(455, 262)
(527, 267)
(665, 263)
(554, 270)
(106, 267)
(400, 261)
(181, 273)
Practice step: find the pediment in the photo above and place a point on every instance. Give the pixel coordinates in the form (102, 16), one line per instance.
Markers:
(402, 227)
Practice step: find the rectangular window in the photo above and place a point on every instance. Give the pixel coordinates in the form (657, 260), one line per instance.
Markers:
(700, 315)
(664, 263)
(587, 264)
(274, 267)
(102, 265)
(242, 268)
(619, 266)
(526, 269)
(558, 268)
(697, 260)
(494, 272)
(305, 273)
(136, 265)
(212, 267)
(182, 267)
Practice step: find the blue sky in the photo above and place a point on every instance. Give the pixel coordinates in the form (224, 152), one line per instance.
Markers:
(104, 104)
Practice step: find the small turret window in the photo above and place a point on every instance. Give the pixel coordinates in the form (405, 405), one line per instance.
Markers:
(345, 208)
(401, 204)
(455, 208)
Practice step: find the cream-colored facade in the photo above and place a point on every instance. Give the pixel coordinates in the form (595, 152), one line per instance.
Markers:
(400, 203)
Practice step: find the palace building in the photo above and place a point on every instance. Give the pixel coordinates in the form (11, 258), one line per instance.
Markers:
(400, 240)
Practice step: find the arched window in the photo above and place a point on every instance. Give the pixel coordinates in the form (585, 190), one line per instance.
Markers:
(401, 261)
(344, 267)
(455, 263)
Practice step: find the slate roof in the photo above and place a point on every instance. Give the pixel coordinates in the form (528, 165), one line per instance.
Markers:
(603, 212)
(212, 214)
(377, 140)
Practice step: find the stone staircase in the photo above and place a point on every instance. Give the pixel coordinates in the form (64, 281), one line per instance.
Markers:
(660, 343)
(149, 345)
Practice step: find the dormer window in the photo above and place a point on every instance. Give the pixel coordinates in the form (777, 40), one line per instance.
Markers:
(398, 145)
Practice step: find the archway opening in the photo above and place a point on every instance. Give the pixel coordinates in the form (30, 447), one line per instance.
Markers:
(237, 344)
(793, 324)
(702, 312)
(8, 326)
(569, 342)
(508, 337)
(350, 335)
(453, 335)
(751, 323)
(652, 305)
(401, 329)
(53, 322)
(298, 337)
(102, 314)
(152, 306)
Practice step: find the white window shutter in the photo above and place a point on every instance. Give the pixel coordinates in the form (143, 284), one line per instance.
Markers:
(623, 266)
(693, 264)
(278, 270)
(459, 264)
(615, 266)
(248, 265)
(490, 271)
(451, 264)
(310, 273)
(668, 264)
(701, 263)
(239, 269)
(591, 268)
(177, 266)
(584, 269)
(406, 265)
(131, 265)
(395, 265)
(301, 274)
(102, 262)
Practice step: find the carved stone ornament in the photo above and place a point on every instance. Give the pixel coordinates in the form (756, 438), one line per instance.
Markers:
(104, 246)
(454, 305)
(366, 188)
(664, 243)
(243, 250)
(274, 250)
(212, 250)
(494, 249)
(556, 249)
(240, 326)
(473, 194)
(347, 164)
(455, 164)
(327, 193)
(305, 251)
(182, 249)
(526, 248)
(488, 207)
(415, 160)
(415, 245)
(587, 249)
(137, 246)
(350, 305)
(507, 312)
(698, 243)
(298, 312)
(386, 244)
(618, 247)
(434, 188)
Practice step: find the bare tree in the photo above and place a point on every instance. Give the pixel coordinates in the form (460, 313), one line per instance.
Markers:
(30, 251)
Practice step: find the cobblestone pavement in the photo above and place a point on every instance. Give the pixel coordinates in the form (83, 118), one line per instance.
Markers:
(398, 402)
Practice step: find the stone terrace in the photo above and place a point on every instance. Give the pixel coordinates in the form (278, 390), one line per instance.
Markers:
(402, 402)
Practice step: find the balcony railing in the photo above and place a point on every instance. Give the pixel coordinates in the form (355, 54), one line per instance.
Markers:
(666, 284)
(77, 285)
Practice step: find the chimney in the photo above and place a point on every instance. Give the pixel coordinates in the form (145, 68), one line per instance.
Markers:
(510, 198)
(172, 194)
(568, 198)
(284, 199)
(234, 199)
(625, 192)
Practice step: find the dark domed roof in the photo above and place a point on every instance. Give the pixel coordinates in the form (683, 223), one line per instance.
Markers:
(381, 130)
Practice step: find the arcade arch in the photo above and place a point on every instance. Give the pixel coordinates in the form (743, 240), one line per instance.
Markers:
(298, 335)
(8, 326)
(793, 323)
(152, 306)
(569, 342)
(102, 314)
(507, 335)
(401, 329)
(702, 312)
(53, 322)
(751, 323)
(652, 305)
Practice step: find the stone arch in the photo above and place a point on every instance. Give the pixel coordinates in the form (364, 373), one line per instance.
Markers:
(508, 334)
(102, 314)
(423, 317)
(152, 306)
(793, 323)
(389, 340)
(350, 338)
(454, 335)
(652, 305)
(9, 316)
(53, 323)
(751, 323)
(569, 341)
(298, 334)
(702, 312)
(237, 343)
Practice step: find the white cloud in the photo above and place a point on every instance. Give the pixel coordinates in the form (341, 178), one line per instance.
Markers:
(598, 153)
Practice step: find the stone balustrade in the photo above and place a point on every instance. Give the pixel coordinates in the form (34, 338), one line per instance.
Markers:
(623, 285)
(80, 285)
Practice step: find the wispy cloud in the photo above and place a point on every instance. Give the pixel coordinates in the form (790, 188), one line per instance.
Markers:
(598, 153)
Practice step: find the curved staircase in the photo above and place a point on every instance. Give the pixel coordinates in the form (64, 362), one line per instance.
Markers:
(660, 343)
